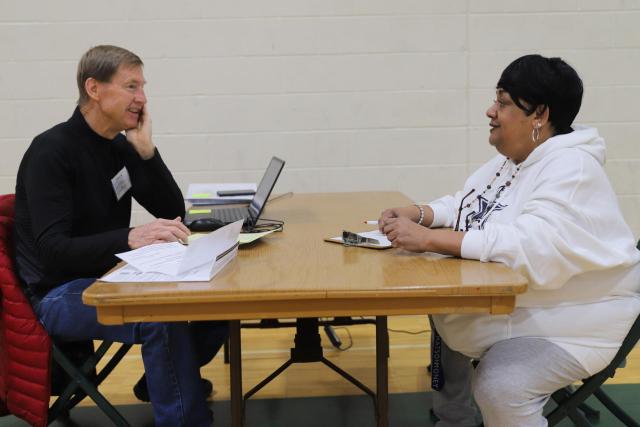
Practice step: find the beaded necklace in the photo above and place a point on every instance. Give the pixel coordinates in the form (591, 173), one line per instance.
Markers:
(489, 186)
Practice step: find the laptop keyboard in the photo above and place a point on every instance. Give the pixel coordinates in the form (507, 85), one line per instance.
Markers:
(231, 214)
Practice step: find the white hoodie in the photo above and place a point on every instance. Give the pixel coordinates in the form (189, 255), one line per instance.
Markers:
(558, 224)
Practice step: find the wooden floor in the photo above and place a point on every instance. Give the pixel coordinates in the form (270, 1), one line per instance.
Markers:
(263, 350)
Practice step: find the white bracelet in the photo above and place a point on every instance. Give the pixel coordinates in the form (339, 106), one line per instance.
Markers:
(421, 214)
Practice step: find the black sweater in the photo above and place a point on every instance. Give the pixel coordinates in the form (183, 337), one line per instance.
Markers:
(69, 223)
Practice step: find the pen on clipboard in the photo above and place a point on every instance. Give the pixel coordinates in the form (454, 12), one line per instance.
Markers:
(372, 222)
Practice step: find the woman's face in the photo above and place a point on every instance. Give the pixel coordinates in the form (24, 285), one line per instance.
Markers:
(510, 128)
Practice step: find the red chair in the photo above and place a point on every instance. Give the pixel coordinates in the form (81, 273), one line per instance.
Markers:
(27, 353)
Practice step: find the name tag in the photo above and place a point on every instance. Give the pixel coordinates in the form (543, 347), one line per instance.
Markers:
(121, 183)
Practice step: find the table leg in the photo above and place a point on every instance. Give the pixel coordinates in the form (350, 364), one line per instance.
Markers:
(235, 367)
(382, 371)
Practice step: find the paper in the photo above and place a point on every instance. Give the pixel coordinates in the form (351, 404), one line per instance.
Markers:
(252, 237)
(243, 238)
(173, 262)
(207, 194)
(383, 242)
(160, 258)
(199, 211)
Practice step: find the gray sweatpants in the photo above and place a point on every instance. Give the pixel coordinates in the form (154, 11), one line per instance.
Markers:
(510, 385)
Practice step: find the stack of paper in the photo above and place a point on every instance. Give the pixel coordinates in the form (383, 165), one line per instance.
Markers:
(207, 194)
(174, 262)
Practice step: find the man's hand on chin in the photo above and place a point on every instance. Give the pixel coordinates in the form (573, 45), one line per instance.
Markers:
(140, 136)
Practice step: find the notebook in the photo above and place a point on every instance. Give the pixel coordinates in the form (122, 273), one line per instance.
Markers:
(250, 214)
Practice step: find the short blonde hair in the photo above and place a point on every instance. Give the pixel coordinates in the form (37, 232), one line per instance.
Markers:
(101, 63)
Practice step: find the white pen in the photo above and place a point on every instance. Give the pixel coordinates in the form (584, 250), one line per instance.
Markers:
(372, 222)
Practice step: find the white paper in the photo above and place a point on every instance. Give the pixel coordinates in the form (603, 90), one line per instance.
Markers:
(173, 262)
(243, 238)
(207, 194)
(159, 258)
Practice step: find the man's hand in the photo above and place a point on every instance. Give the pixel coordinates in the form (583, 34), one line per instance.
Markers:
(140, 136)
(407, 234)
(158, 231)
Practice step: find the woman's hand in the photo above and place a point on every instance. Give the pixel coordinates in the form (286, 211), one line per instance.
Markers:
(406, 234)
(410, 212)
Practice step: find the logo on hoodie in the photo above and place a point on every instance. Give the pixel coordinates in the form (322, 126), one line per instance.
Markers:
(476, 219)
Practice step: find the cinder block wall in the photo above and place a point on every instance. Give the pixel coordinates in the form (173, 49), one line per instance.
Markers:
(355, 95)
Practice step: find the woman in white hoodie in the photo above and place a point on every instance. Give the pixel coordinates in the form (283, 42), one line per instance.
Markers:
(545, 208)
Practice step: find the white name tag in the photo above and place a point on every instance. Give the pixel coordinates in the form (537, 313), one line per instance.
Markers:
(121, 183)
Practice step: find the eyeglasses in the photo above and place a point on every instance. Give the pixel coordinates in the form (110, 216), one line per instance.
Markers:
(457, 227)
(350, 238)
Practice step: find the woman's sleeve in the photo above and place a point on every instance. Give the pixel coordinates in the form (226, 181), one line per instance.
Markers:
(569, 225)
(445, 209)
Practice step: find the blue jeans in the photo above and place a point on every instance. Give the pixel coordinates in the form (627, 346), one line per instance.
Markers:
(172, 352)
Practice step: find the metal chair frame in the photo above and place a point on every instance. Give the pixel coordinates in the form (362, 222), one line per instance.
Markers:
(571, 402)
(81, 384)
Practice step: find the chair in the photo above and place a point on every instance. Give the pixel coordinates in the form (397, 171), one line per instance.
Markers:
(27, 352)
(571, 401)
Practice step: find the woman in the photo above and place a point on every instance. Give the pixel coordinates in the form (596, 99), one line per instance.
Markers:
(545, 208)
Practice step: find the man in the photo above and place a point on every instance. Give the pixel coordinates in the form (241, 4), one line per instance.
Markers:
(73, 208)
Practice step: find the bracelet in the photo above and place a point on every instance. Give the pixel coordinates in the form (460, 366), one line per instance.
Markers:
(421, 214)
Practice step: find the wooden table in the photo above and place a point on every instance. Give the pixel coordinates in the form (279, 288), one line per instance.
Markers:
(295, 274)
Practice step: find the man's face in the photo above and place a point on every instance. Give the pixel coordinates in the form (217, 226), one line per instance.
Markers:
(122, 99)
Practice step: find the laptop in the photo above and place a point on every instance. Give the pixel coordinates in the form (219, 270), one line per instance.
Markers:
(250, 214)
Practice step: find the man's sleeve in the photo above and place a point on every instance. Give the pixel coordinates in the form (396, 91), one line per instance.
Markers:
(49, 188)
(153, 186)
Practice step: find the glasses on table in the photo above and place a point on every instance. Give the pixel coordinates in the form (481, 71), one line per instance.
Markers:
(350, 238)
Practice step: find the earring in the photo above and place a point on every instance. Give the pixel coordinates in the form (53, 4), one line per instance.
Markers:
(535, 134)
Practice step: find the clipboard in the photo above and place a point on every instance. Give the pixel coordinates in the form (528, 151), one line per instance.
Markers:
(367, 239)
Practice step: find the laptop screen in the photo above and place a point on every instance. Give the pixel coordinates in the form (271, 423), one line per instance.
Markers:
(266, 185)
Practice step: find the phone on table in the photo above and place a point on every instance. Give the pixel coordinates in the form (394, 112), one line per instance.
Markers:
(228, 193)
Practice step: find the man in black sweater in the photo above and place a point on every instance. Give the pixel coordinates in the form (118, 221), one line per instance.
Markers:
(73, 208)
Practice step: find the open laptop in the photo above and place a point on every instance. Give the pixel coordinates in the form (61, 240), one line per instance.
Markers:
(250, 214)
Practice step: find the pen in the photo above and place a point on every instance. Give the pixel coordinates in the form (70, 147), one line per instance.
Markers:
(372, 222)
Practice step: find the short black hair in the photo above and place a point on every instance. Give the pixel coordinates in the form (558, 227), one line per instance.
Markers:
(544, 83)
